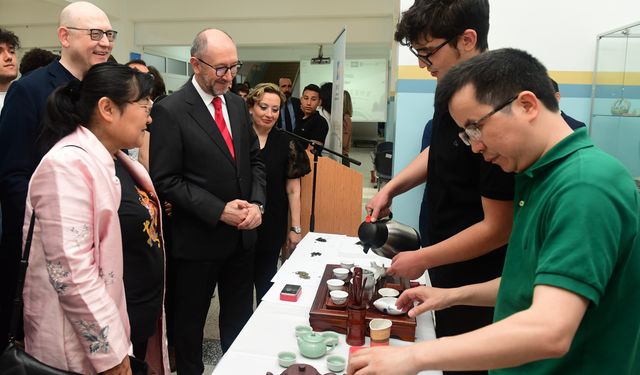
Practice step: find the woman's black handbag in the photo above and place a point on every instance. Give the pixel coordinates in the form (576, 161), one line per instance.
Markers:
(14, 360)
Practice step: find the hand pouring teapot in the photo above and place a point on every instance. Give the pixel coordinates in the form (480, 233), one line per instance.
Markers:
(386, 237)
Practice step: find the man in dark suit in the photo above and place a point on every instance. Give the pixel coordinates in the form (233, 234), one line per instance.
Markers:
(86, 38)
(204, 161)
(291, 112)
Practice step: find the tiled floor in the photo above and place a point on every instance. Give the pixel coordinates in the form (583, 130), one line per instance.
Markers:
(211, 347)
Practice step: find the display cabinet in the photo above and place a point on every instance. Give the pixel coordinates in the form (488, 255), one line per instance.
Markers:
(615, 96)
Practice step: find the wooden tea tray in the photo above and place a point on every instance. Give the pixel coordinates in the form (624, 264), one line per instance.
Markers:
(325, 316)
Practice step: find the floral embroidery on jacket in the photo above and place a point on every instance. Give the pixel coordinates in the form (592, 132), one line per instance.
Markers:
(80, 234)
(97, 339)
(57, 274)
(108, 278)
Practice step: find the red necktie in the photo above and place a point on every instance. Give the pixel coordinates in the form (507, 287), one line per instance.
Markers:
(222, 125)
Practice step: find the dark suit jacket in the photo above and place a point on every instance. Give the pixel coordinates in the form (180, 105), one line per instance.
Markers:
(297, 110)
(192, 168)
(19, 127)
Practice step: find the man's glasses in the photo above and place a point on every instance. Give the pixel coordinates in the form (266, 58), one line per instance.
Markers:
(425, 58)
(222, 70)
(472, 128)
(147, 106)
(97, 34)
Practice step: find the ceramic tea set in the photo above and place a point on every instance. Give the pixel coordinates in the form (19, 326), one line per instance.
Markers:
(312, 345)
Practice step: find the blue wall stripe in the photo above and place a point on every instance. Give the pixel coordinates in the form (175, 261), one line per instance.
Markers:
(424, 86)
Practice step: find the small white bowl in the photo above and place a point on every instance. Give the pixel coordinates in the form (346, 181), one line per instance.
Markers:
(346, 263)
(388, 292)
(335, 284)
(339, 297)
(387, 305)
(341, 273)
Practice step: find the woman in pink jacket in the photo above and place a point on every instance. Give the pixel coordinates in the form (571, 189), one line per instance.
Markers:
(75, 312)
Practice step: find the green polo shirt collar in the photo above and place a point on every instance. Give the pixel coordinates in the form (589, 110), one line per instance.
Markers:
(579, 139)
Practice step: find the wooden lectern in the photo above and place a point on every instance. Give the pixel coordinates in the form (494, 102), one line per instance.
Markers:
(338, 198)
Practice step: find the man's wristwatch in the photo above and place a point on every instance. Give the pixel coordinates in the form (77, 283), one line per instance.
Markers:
(296, 230)
(261, 207)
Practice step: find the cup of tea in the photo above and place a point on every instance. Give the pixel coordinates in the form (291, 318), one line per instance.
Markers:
(380, 331)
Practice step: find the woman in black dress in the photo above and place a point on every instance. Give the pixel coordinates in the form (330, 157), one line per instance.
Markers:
(285, 163)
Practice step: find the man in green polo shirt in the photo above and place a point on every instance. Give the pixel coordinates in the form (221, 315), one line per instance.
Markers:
(568, 301)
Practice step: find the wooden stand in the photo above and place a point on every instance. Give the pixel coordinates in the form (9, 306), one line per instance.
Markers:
(326, 316)
(338, 198)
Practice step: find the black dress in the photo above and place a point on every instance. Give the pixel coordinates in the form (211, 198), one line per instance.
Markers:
(142, 258)
(272, 233)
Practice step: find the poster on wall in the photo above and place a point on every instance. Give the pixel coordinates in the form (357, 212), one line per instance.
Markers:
(365, 79)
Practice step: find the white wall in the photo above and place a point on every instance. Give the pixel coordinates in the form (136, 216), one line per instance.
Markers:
(561, 34)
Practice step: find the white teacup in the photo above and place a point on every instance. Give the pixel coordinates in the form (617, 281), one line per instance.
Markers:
(388, 292)
(339, 297)
(335, 284)
(341, 273)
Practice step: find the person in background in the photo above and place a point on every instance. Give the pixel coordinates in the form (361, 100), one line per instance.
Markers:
(347, 125)
(470, 201)
(292, 112)
(240, 89)
(158, 93)
(9, 43)
(86, 38)
(159, 87)
(567, 301)
(138, 64)
(282, 156)
(312, 125)
(573, 123)
(36, 58)
(74, 284)
(204, 160)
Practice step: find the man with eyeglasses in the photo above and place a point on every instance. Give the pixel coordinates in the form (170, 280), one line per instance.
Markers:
(469, 201)
(86, 38)
(204, 160)
(567, 301)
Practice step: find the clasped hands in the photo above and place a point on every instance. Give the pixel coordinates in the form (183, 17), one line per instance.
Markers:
(241, 214)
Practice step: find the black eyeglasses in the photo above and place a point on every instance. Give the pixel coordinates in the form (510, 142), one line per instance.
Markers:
(97, 34)
(222, 70)
(472, 128)
(425, 58)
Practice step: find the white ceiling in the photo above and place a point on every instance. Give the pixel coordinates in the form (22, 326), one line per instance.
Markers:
(274, 30)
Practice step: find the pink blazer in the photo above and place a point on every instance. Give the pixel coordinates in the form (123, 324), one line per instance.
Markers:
(75, 315)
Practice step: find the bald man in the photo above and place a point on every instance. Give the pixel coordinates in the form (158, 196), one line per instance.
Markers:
(86, 39)
(204, 161)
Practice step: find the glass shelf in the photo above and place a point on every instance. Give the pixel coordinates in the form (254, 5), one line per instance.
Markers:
(621, 116)
(616, 83)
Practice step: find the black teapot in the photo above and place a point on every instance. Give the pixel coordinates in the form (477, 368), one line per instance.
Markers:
(387, 237)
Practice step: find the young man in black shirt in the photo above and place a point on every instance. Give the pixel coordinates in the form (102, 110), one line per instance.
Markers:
(470, 200)
(312, 126)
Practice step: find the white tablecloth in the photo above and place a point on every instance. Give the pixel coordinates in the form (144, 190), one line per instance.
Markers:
(271, 328)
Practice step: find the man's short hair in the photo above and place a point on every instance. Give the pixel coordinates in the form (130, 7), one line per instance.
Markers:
(9, 38)
(555, 85)
(496, 76)
(136, 62)
(312, 87)
(35, 58)
(444, 19)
